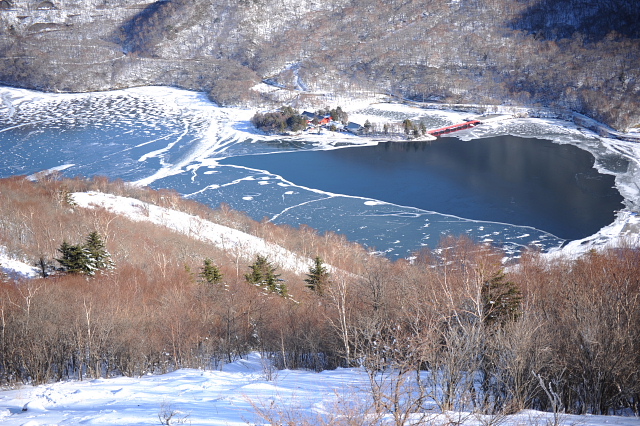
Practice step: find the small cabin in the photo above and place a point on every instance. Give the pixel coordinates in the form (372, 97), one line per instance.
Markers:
(354, 128)
(315, 119)
(309, 115)
(324, 120)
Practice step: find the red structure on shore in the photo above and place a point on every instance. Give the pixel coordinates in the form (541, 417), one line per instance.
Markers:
(454, 127)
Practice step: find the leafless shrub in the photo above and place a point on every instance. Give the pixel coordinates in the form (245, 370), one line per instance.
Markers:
(168, 415)
(347, 409)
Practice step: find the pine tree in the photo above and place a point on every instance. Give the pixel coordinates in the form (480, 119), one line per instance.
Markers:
(408, 126)
(339, 115)
(210, 273)
(98, 251)
(256, 275)
(279, 287)
(263, 275)
(502, 301)
(318, 277)
(76, 259)
(85, 259)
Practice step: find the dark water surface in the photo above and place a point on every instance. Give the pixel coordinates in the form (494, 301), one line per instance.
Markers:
(506, 179)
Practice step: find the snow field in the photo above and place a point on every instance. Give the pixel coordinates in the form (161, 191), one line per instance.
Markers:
(230, 396)
(248, 246)
(223, 397)
(15, 268)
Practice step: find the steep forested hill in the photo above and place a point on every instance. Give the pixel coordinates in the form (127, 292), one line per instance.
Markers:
(577, 54)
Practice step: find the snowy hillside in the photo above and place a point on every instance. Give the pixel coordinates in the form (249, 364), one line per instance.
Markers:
(247, 246)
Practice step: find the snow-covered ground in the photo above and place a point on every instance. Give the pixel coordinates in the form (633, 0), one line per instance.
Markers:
(15, 268)
(232, 240)
(229, 396)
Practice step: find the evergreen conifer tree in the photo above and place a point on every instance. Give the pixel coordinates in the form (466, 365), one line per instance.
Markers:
(339, 115)
(502, 300)
(279, 287)
(76, 259)
(263, 275)
(98, 251)
(318, 277)
(210, 273)
(85, 259)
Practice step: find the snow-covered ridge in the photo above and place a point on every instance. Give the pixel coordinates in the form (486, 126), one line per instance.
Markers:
(229, 239)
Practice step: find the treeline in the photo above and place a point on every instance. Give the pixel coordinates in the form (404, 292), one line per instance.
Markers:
(286, 119)
(453, 327)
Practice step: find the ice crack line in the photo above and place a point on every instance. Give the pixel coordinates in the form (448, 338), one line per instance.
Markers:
(218, 186)
(167, 168)
(274, 217)
(159, 152)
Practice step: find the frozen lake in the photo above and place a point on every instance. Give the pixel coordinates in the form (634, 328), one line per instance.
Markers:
(529, 182)
(513, 192)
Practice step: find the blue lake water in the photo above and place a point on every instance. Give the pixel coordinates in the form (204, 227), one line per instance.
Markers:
(394, 197)
(507, 179)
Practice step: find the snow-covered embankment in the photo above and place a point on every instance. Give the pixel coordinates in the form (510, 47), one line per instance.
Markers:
(246, 245)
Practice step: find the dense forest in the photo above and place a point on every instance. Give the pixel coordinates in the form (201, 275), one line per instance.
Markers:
(559, 335)
(579, 55)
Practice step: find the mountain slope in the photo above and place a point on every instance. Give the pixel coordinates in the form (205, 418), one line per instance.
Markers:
(454, 309)
(576, 54)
